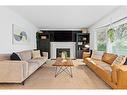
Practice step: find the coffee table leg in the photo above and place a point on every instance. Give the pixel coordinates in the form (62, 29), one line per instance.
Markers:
(56, 72)
(60, 70)
(71, 72)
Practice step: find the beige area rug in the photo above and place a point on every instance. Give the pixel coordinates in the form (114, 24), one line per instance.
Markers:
(43, 78)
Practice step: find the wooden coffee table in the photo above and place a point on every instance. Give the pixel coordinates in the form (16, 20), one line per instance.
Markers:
(63, 66)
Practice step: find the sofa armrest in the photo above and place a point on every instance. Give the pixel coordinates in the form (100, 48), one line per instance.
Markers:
(115, 68)
(13, 71)
(86, 55)
(122, 76)
(45, 54)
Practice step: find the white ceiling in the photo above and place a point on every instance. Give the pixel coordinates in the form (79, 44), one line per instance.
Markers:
(63, 16)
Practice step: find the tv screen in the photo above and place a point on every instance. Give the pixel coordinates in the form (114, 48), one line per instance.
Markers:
(65, 36)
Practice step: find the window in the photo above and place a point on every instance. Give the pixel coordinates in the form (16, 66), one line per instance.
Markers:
(120, 43)
(118, 39)
(101, 39)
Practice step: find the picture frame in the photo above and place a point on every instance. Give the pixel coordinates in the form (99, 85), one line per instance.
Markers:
(19, 35)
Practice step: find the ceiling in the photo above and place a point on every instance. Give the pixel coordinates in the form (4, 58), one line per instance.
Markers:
(65, 17)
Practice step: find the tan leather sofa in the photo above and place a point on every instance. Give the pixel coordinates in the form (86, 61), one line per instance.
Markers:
(18, 71)
(113, 75)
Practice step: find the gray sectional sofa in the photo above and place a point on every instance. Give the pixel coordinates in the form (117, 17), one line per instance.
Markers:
(17, 71)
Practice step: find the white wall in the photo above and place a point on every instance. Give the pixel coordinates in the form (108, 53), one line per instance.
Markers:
(7, 18)
(113, 16)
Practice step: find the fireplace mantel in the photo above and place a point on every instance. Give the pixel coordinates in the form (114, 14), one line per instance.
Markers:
(55, 45)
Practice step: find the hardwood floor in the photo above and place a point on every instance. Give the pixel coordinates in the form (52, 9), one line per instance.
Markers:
(43, 78)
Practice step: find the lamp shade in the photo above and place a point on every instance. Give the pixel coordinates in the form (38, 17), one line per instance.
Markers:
(87, 46)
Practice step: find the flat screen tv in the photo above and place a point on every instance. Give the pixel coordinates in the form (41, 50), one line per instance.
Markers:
(65, 36)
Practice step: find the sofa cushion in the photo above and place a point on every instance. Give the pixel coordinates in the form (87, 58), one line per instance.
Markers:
(105, 66)
(101, 64)
(101, 68)
(25, 55)
(97, 55)
(33, 67)
(91, 63)
(14, 56)
(104, 73)
(32, 61)
(109, 58)
(36, 54)
(39, 61)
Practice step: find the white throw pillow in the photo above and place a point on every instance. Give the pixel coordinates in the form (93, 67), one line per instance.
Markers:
(36, 54)
(120, 60)
(97, 55)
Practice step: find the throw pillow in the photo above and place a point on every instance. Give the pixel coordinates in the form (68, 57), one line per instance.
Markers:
(14, 56)
(91, 53)
(120, 60)
(36, 54)
(125, 63)
(109, 58)
(25, 55)
(124, 60)
(97, 55)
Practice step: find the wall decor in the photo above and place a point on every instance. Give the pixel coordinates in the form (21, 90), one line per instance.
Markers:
(19, 35)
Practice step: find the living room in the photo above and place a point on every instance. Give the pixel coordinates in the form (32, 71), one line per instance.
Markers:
(63, 47)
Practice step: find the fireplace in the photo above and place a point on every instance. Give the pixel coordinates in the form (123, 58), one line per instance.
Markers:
(62, 45)
(60, 50)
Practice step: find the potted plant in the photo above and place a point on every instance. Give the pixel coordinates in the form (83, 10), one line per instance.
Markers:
(111, 34)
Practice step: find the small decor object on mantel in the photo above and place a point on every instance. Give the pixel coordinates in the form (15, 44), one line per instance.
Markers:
(19, 35)
(64, 55)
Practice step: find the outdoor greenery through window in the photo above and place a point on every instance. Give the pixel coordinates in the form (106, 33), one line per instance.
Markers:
(120, 40)
(101, 40)
(117, 37)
